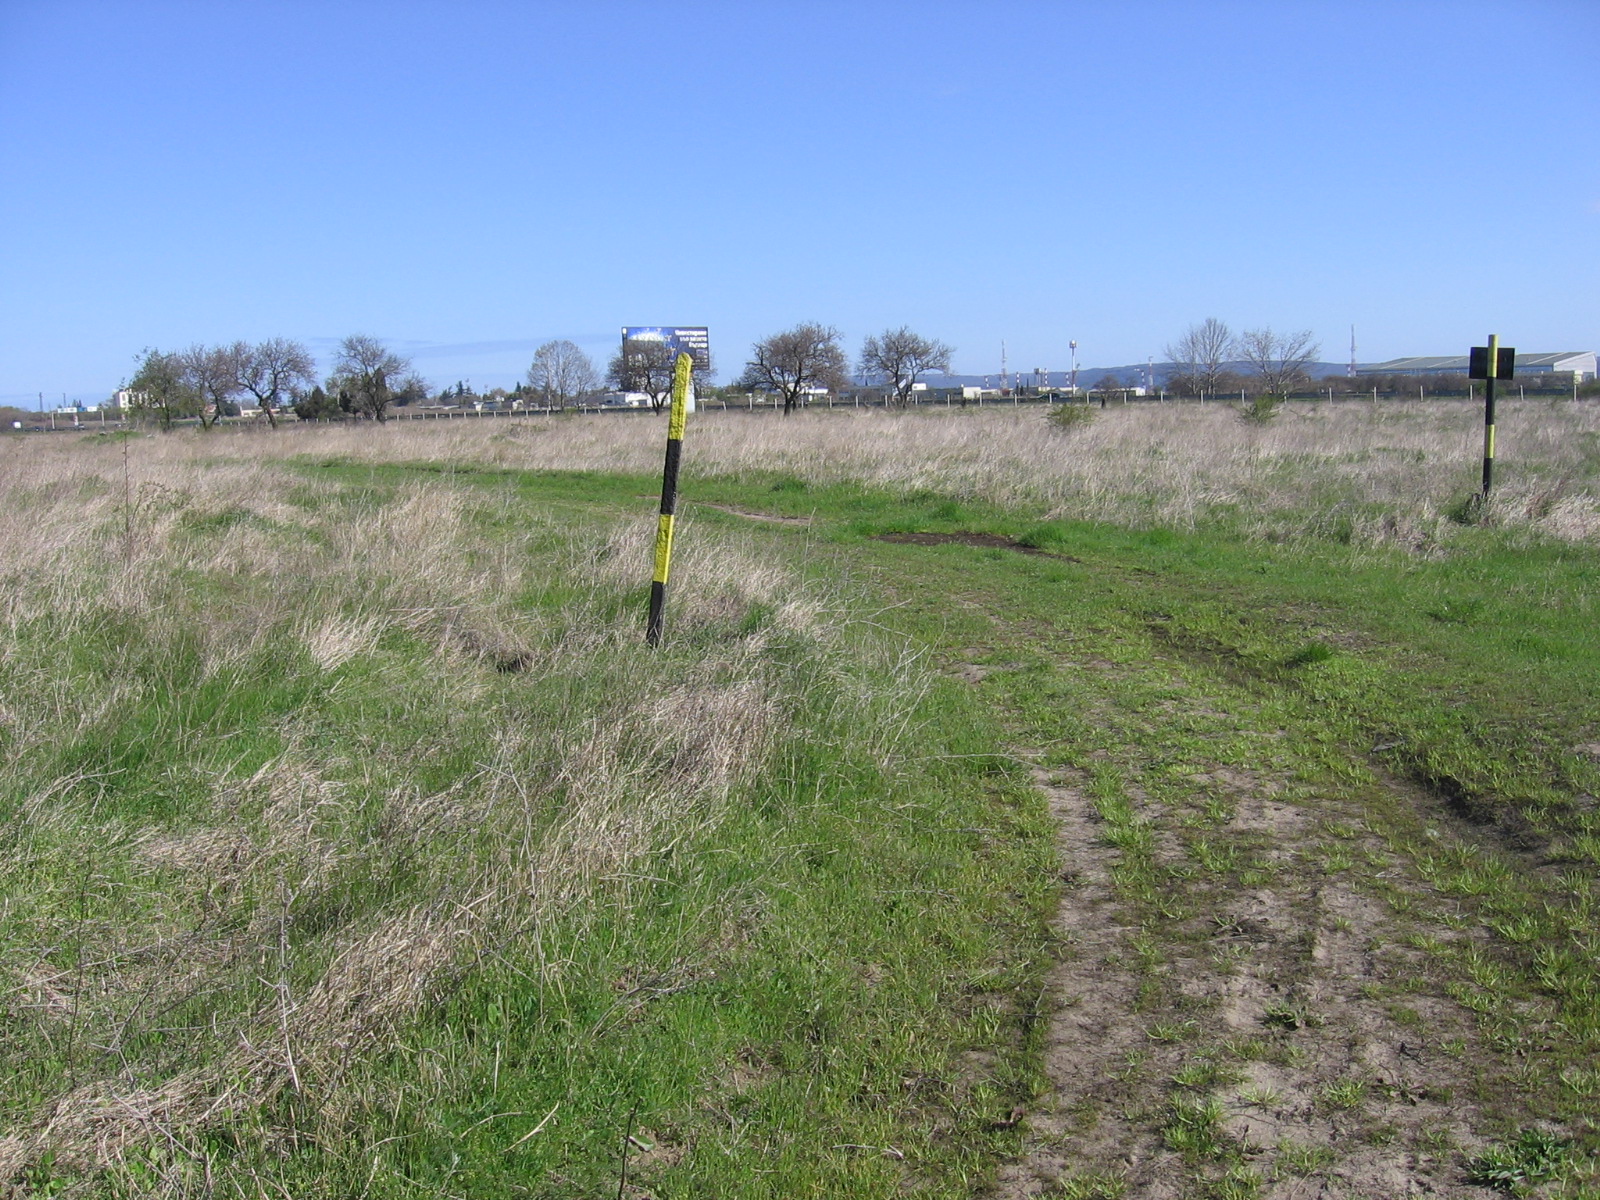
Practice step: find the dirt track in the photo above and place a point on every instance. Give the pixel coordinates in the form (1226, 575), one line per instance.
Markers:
(1264, 987)
(1281, 966)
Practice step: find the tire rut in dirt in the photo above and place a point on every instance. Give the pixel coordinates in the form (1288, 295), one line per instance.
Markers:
(1322, 1087)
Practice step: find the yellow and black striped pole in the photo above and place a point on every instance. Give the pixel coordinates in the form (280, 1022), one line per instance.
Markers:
(1490, 363)
(682, 381)
(1493, 361)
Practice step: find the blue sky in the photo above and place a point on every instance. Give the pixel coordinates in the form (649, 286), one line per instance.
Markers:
(466, 180)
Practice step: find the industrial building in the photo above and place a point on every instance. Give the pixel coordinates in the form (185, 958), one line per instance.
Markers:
(1581, 362)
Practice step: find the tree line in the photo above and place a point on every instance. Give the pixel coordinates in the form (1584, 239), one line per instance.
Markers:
(209, 381)
(368, 377)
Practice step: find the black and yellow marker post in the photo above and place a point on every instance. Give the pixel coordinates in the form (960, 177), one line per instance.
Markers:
(682, 380)
(1490, 363)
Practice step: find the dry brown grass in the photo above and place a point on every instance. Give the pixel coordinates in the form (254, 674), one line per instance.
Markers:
(208, 566)
(1395, 469)
(1389, 473)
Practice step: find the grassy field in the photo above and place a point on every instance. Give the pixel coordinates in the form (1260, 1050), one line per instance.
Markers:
(1172, 805)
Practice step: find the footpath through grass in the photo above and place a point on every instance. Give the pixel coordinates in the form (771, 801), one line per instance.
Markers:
(1329, 840)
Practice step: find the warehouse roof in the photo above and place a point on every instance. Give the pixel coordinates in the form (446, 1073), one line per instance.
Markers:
(1458, 362)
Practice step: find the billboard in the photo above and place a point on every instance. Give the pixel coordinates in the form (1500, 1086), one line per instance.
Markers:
(692, 338)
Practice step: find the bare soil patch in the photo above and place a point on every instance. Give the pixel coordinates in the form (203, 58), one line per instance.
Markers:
(1091, 1039)
(749, 515)
(990, 540)
(1275, 1004)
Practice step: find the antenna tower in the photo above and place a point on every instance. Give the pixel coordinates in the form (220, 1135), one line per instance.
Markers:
(1004, 378)
(1352, 351)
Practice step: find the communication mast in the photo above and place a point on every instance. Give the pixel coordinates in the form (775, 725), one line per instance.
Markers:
(1004, 378)
(1352, 352)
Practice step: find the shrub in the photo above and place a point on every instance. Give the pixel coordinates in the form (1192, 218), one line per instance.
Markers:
(1069, 416)
(1260, 409)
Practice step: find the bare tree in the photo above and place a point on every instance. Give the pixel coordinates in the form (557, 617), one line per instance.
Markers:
(898, 357)
(272, 371)
(1279, 359)
(1107, 386)
(795, 361)
(561, 373)
(370, 377)
(1201, 356)
(162, 387)
(211, 377)
(644, 366)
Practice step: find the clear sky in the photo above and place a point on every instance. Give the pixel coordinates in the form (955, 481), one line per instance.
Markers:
(468, 179)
